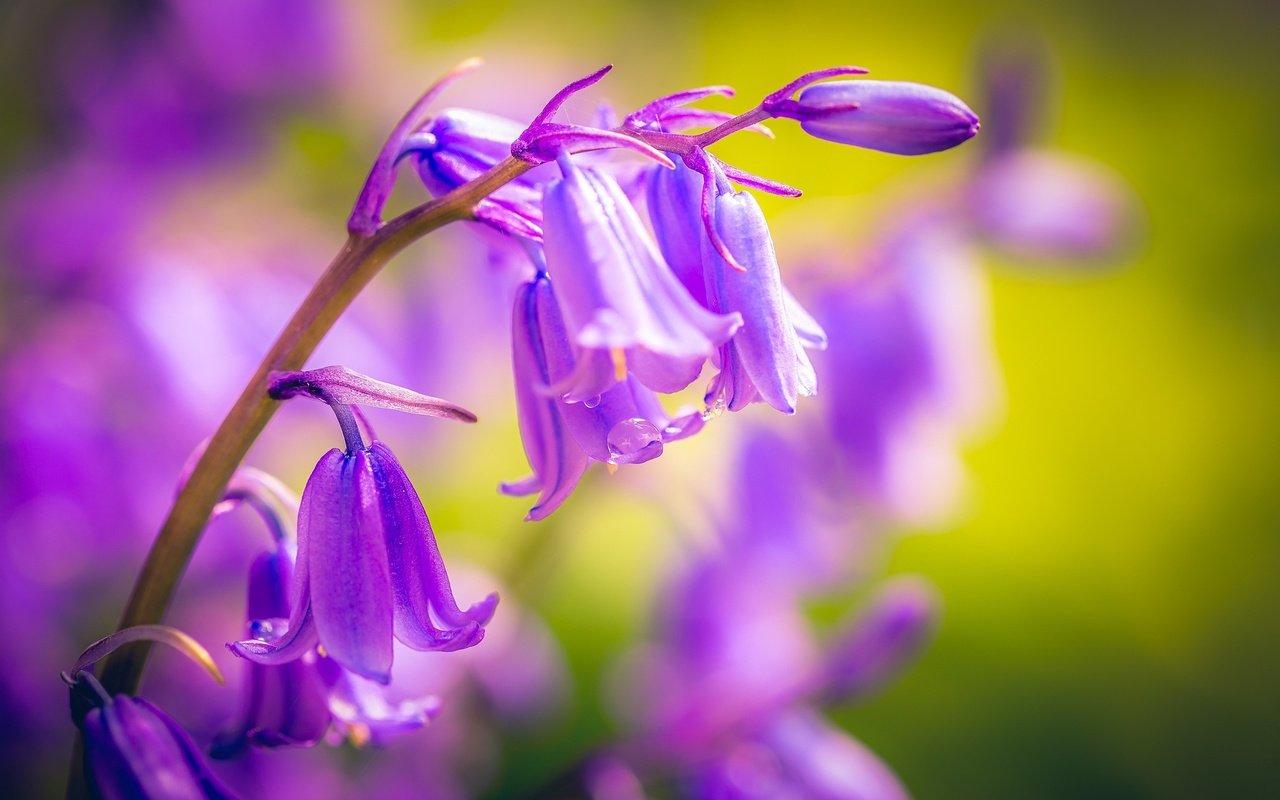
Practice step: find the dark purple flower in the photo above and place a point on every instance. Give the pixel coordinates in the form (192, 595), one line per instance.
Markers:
(618, 296)
(285, 704)
(891, 116)
(134, 750)
(623, 425)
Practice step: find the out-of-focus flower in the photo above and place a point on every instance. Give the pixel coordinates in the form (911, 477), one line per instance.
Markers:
(897, 117)
(798, 756)
(368, 565)
(1042, 205)
(624, 425)
(617, 295)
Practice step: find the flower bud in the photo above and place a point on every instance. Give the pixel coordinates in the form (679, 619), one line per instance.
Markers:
(908, 119)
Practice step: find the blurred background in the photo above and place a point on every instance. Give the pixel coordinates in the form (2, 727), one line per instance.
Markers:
(1108, 578)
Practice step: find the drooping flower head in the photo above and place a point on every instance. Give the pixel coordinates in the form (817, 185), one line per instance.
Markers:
(368, 568)
(619, 298)
(624, 425)
(765, 361)
(294, 704)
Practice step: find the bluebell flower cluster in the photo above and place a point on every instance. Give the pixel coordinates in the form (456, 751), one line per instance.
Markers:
(616, 309)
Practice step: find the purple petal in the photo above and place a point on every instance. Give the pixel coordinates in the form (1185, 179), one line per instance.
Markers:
(132, 749)
(338, 384)
(539, 345)
(361, 704)
(613, 286)
(419, 582)
(884, 639)
(767, 348)
(351, 596)
(675, 202)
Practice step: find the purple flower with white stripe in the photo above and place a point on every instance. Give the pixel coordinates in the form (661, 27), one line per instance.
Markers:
(368, 567)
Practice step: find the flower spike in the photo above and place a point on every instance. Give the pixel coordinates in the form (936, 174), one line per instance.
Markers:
(366, 215)
(340, 385)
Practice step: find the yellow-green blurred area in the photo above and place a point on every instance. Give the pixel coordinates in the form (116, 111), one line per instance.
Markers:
(1110, 599)
(1111, 593)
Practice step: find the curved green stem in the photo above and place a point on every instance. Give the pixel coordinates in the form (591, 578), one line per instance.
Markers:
(351, 270)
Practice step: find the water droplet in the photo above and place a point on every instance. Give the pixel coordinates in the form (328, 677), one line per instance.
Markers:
(634, 440)
(591, 402)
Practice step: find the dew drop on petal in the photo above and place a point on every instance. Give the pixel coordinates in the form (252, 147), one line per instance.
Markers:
(634, 440)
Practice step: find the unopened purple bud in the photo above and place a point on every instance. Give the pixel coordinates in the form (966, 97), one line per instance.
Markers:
(898, 117)
(133, 749)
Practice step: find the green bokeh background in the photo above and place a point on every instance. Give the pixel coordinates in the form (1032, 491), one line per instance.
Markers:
(1110, 596)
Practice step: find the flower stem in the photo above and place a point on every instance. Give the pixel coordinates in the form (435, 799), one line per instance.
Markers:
(351, 270)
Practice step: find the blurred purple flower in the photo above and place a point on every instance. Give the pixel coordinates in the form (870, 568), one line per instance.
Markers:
(798, 756)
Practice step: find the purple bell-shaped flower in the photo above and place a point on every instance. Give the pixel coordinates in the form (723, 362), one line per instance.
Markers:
(368, 567)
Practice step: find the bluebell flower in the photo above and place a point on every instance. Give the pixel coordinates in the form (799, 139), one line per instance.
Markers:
(623, 425)
(368, 568)
(457, 146)
(294, 704)
(132, 749)
(618, 297)
(766, 360)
